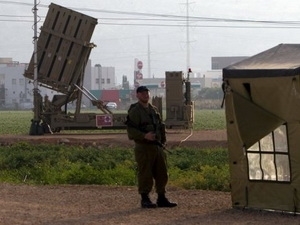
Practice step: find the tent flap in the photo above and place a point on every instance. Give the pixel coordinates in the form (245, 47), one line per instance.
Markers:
(254, 122)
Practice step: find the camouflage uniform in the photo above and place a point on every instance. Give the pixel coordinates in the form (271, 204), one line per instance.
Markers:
(150, 157)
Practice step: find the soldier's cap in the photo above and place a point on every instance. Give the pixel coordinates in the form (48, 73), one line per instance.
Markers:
(141, 89)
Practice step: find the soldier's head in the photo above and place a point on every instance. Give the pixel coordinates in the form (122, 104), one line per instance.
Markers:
(143, 94)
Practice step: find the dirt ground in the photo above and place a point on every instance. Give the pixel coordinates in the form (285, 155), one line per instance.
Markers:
(93, 204)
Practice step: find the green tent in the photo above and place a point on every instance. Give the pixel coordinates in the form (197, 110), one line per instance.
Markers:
(262, 101)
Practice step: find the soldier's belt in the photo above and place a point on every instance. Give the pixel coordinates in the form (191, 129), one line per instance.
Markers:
(145, 142)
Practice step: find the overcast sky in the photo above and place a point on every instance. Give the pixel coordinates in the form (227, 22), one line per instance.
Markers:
(119, 40)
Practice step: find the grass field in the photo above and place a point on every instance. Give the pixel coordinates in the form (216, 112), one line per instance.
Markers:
(18, 122)
(189, 168)
(59, 164)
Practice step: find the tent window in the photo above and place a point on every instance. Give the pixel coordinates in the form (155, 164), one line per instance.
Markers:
(268, 159)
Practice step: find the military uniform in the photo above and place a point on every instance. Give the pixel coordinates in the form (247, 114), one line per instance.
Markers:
(145, 128)
(150, 157)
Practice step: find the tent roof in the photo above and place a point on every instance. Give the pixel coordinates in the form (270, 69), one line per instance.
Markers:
(281, 60)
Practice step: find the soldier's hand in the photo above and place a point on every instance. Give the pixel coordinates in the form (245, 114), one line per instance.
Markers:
(150, 136)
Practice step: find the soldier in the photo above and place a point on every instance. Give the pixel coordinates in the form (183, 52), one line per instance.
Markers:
(145, 128)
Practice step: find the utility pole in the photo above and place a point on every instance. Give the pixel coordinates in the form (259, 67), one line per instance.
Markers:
(35, 128)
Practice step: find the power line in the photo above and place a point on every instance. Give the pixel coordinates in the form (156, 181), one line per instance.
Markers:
(194, 18)
(16, 3)
(174, 25)
(19, 21)
(198, 26)
(16, 16)
(163, 18)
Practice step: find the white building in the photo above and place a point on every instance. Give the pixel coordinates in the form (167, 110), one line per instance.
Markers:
(102, 78)
(16, 91)
(12, 84)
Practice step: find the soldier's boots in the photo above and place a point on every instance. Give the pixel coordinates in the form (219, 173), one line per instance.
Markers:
(162, 201)
(146, 202)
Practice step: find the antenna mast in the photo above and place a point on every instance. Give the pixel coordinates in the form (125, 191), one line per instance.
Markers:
(187, 36)
(149, 60)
